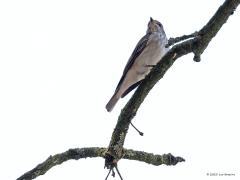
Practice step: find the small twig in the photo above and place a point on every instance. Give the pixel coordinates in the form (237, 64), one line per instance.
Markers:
(197, 57)
(108, 174)
(140, 133)
(118, 172)
(113, 173)
(173, 41)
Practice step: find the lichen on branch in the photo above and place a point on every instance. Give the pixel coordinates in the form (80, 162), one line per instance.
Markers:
(91, 152)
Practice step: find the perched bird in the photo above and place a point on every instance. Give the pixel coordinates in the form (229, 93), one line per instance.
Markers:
(147, 53)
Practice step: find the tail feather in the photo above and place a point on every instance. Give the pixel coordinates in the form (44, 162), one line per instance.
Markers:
(112, 102)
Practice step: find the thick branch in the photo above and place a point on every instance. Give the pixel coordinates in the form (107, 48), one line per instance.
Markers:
(57, 159)
(78, 153)
(215, 23)
(196, 45)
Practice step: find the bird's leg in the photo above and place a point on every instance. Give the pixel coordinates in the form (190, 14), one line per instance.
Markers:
(108, 174)
(111, 169)
(118, 172)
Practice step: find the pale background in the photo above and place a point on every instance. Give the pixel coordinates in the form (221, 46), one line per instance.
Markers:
(60, 62)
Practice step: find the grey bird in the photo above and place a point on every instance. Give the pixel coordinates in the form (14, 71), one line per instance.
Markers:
(147, 53)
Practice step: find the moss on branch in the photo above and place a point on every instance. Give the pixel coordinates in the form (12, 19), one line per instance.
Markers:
(79, 153)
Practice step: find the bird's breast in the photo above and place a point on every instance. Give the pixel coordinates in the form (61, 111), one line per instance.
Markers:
(150, 56)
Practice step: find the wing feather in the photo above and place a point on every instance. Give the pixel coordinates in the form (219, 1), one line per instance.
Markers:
(136, 52)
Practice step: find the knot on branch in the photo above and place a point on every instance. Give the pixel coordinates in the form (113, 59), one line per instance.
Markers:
(197, 57)
(169, 159)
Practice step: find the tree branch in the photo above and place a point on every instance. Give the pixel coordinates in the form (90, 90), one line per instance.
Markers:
(197, 45)
(79, 153)
(153, 159)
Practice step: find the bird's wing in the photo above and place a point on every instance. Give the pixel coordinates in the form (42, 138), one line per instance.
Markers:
(136, 52)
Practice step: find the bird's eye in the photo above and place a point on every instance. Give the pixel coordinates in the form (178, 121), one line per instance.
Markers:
(159, 24)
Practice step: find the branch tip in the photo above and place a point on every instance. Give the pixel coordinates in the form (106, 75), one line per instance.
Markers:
(197, 57)
(140, 132)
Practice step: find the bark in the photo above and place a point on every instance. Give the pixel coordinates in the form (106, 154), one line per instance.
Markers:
(79, 153)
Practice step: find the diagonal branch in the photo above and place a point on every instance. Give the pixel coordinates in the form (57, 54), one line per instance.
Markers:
(196, 45)
(78, 153)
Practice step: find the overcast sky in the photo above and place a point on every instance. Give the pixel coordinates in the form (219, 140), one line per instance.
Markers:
(60, 62)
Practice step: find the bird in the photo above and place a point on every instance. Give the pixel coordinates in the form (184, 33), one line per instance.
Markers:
(147, 53)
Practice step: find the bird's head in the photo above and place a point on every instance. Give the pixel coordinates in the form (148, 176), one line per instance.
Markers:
(154, 26)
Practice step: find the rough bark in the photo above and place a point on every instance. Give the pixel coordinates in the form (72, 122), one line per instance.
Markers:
(79, 153)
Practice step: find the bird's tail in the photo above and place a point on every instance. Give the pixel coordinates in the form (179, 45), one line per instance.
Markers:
(112, 102)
